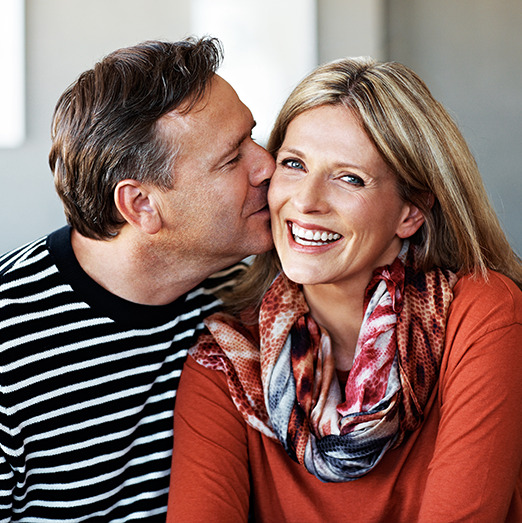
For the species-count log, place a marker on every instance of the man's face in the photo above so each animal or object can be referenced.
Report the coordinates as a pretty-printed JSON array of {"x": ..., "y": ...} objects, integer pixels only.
[{"x": 216, "y": 212}]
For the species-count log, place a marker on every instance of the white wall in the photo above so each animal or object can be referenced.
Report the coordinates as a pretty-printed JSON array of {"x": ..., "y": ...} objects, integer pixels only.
[
  {"x": 468, "y": 51},
  {"x": 351, "y": 28}
]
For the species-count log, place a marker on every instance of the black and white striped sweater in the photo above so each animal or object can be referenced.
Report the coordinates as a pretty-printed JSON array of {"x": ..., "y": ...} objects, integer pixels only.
[{"x": 87, "y": 389}]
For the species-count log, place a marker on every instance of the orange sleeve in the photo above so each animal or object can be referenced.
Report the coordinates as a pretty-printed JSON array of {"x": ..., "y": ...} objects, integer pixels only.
[
  {"x": 210, "y": 473},
  {"x": 478, "y": 452}
]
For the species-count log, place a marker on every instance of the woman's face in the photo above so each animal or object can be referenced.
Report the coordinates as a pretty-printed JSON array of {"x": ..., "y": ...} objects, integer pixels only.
[{"x": 336, "y": 213}]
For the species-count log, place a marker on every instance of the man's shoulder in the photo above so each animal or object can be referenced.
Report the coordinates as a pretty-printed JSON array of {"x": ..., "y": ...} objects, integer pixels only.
[
  {"x": 224, "y": 278},
  {"x": 219, "y": 281},
  {"x": 21, "y": 258},
  {"x": 205, "y": 297}
]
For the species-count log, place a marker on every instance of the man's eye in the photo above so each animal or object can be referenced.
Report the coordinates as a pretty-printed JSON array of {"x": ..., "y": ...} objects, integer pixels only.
[
  {"x": 292, "y": 164},
  {"x": 233, "y": 161}
]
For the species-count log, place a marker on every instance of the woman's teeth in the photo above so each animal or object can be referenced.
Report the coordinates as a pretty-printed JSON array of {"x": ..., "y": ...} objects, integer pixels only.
[{"x": 308, "y": 237}]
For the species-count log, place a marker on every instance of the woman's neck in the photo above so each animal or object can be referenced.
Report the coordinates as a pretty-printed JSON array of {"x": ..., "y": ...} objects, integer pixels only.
[{"x": 340, "y": 312}]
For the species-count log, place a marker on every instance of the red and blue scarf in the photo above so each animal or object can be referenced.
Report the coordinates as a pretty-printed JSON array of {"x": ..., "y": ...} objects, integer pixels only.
[{"x": 284, "y": 383}]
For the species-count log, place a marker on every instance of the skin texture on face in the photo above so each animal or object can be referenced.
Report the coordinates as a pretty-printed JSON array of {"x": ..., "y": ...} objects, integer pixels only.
[
  {"x": 336, "y": 212},
  {"x": 216, "y": 212}
]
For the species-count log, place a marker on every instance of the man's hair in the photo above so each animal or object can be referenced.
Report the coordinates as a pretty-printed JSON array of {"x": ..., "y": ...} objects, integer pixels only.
[{"x": 105, "y": 125}]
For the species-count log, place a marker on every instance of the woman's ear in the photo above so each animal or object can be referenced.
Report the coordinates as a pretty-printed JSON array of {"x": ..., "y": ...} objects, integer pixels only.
[
  {"x": 413, "y": 217},
  {"x": 411, "y": 221},
  {"x": 137, "y": 205}
]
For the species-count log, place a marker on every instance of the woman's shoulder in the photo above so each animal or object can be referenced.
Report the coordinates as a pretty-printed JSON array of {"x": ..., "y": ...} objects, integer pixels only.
[
  {"x": 490, "y": 303},
  {"x": 495, "y": 288},
  {"x": 484, "y": 328}
]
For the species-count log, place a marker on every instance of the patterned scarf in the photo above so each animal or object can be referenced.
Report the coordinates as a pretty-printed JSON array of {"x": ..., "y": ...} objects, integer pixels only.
[{"x": 285, "y": 384}]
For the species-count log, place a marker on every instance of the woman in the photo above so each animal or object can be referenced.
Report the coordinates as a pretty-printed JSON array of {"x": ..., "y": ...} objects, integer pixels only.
[{"x": 377, "y": 376}]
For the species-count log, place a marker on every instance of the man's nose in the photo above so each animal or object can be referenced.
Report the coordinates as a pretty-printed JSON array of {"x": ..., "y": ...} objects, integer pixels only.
[{"x": 263, "y": 168}]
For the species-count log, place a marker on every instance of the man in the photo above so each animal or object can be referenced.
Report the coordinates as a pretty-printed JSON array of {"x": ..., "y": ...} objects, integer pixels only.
[{"x": 162, "y": 186}]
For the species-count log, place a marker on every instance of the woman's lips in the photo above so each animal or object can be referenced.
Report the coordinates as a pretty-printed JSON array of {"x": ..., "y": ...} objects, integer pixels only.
[{"x": 312, "y": 236}]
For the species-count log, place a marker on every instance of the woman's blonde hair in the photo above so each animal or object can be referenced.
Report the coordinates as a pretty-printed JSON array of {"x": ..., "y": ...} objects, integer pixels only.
[{"x": 421, "y": 143}]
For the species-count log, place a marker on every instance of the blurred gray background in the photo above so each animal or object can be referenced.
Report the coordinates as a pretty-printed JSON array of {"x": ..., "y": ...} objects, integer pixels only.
[{"x": 468, "y": 52}]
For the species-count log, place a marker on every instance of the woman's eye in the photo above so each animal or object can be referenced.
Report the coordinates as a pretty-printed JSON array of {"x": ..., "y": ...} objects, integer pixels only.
[
  {"x": 353, "y": 179},
  {"x": 292, "y": 164}
]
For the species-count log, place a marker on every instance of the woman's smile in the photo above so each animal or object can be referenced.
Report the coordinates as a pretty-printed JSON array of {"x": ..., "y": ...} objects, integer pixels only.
[
  {"x": 312, "y": 235},
  {"x": 336, "y": 211}
]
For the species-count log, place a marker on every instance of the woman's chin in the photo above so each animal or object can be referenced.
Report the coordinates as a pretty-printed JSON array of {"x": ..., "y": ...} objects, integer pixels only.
[{"x": 302, "y": 276}]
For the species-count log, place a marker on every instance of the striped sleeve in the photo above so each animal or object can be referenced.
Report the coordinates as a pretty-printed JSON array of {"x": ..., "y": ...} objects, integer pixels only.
[{"x": 88, "y": 385}]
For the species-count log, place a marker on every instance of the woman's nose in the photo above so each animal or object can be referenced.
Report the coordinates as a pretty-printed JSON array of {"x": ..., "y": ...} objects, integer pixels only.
[{"x": 310, "y": 195}]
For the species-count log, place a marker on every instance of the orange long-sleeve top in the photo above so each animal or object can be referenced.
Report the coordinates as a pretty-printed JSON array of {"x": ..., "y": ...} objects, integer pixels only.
[{"x": 463, "y": 464}]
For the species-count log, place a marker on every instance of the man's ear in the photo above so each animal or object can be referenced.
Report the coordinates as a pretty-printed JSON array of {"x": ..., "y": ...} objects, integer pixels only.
[
  {"x": 137, "y": 205},
  {"x": 412, "y": 220}
]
